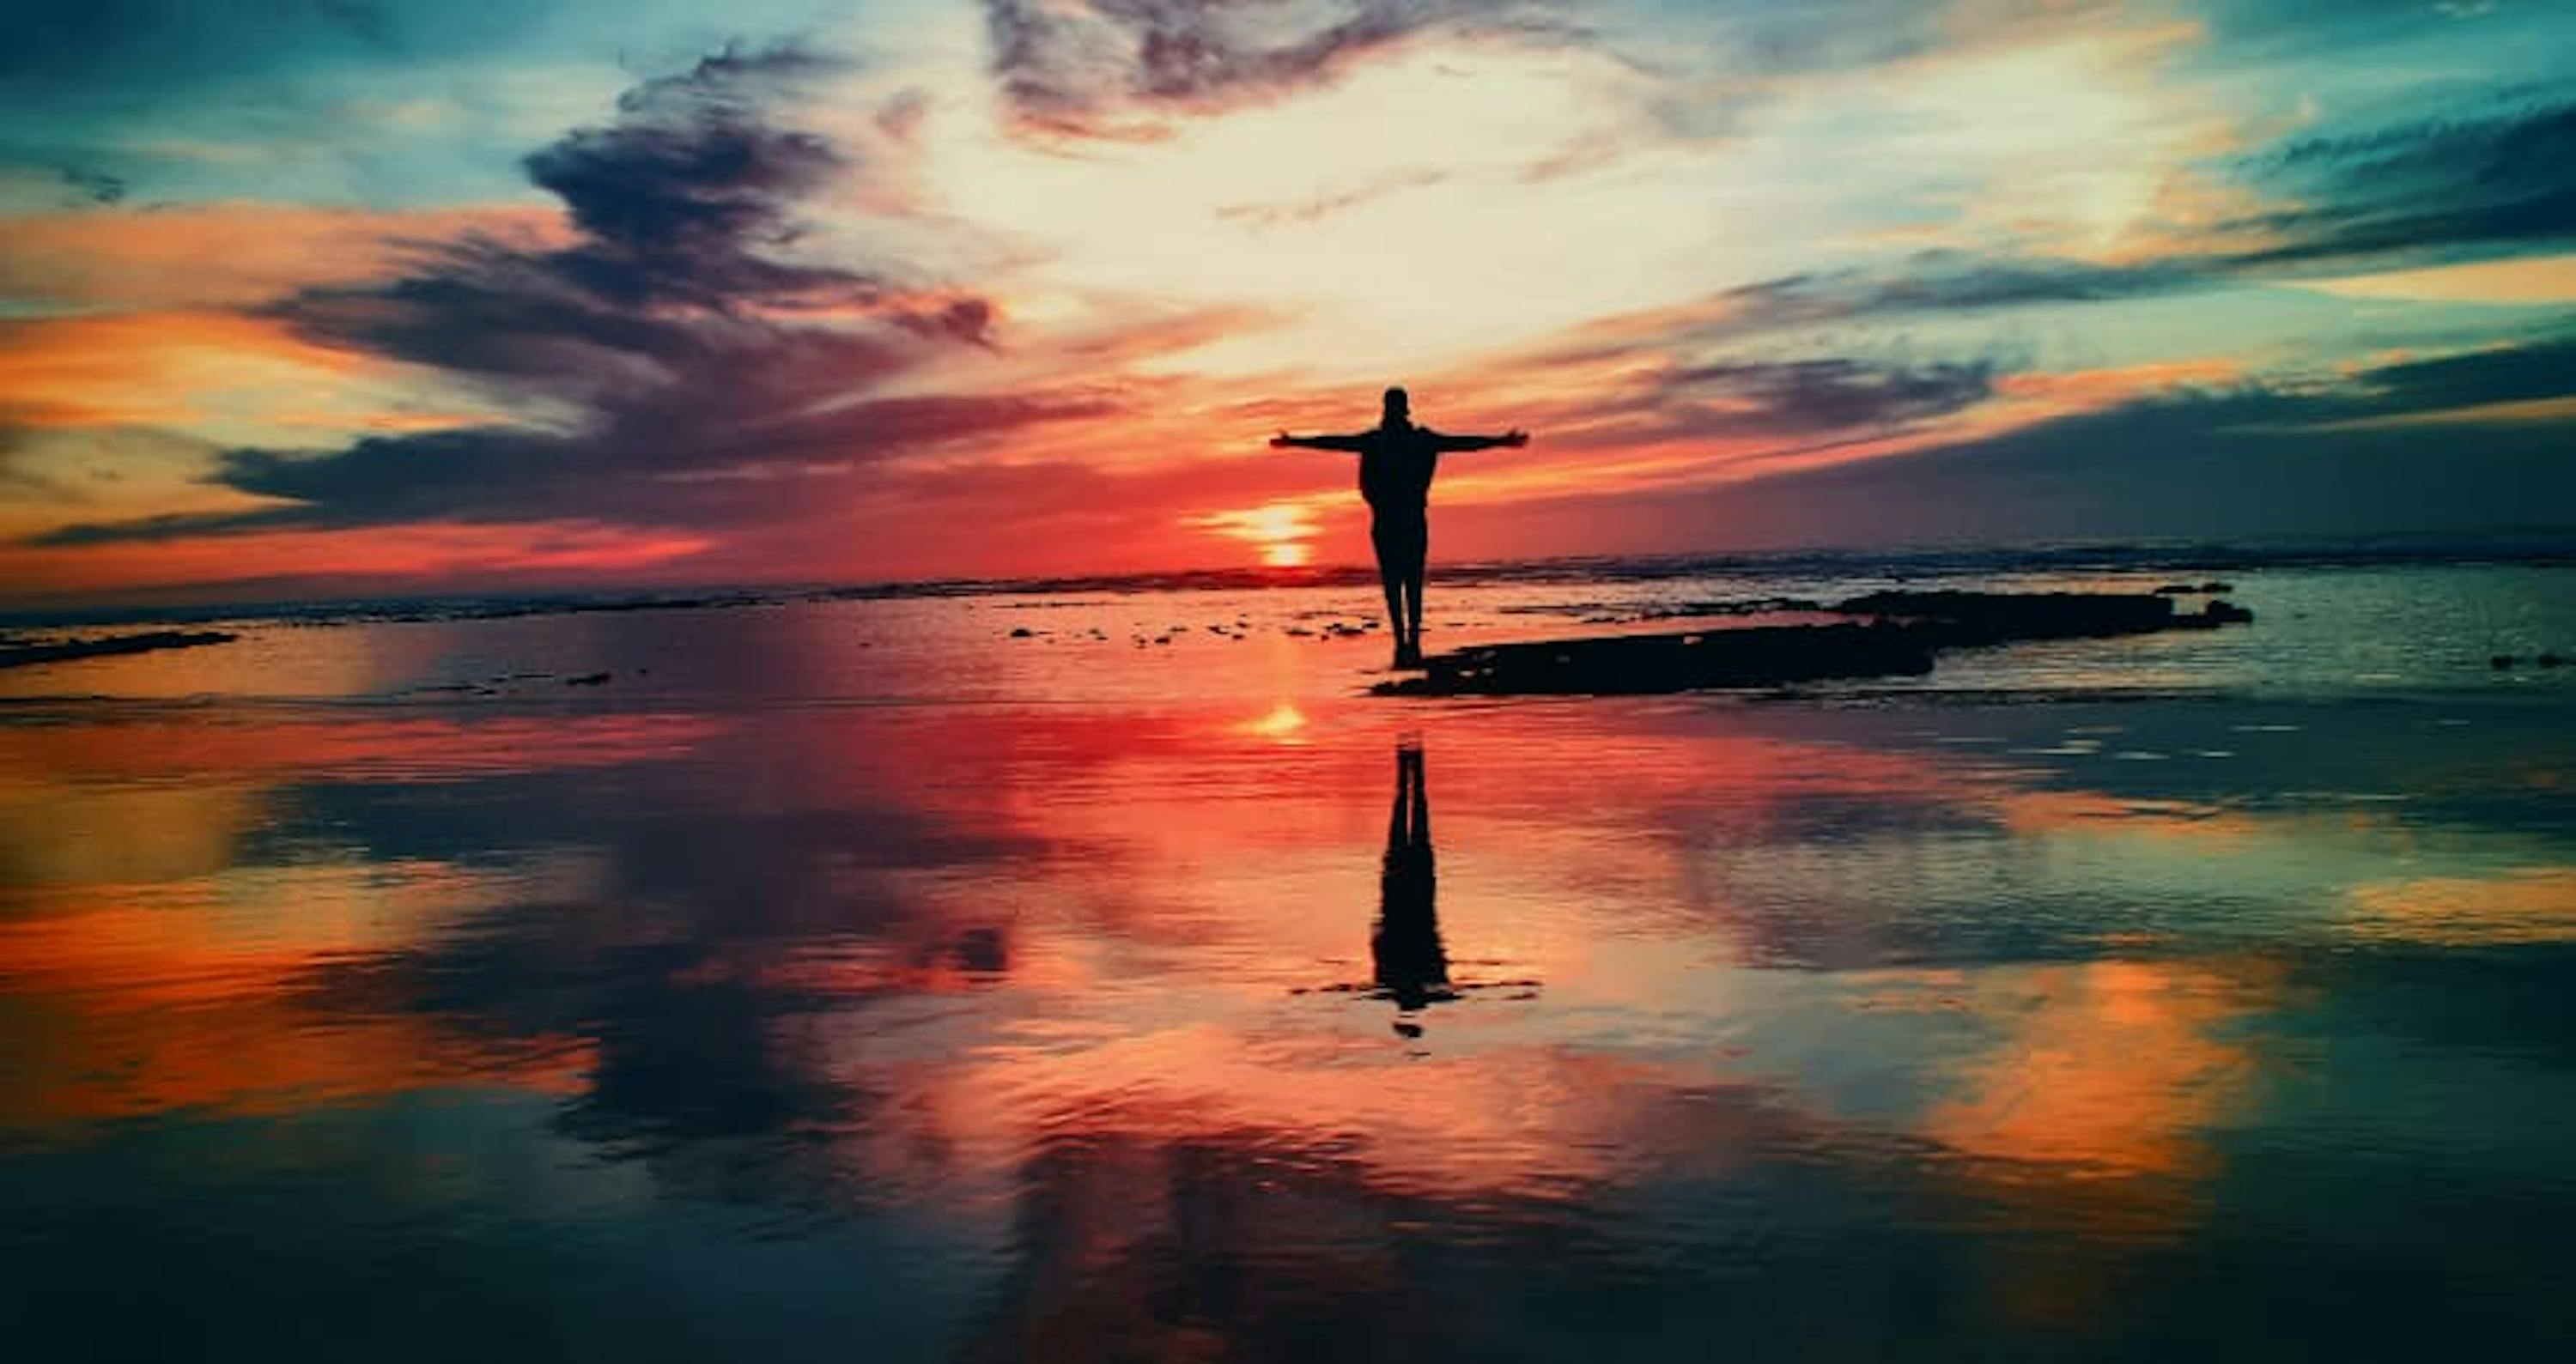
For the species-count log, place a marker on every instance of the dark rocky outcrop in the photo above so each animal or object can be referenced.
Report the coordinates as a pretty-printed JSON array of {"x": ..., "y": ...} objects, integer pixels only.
[
  {"x": 1649, "y": 664},
  {"x": 1970, "y": 618},
  {"x": 1902, "y": 635}
]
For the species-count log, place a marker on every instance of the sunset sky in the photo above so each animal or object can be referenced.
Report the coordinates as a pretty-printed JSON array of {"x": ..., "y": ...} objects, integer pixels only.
[{"x": 356, "y": 296}]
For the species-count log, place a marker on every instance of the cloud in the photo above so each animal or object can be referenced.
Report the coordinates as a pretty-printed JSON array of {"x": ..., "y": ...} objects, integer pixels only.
[
  {"x": 710, "y": 376},
  {"x": 1324, "y": 203},
  {"x": 94, "y": 186},
  {"x": 1948, "y": 281},
  {"x": 2489, "y": 179},
  {"x": 685, "y": 202},
  {"x": 1113, "y": 68},
  {"x": 2500, "y": 375},
  {"x": 2250, "y": 460},
  {"x": 232, "y": 255},
  {"x": 2497, "y": 176},
  {"x": 1797, "y": 399},
  {"x": 1921, "y": 283},
  {"x": 1839, "y": 394}
]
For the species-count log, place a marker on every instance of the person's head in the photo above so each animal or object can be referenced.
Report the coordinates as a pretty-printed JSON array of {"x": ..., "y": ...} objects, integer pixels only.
[{"x": 1399, "y": 408}]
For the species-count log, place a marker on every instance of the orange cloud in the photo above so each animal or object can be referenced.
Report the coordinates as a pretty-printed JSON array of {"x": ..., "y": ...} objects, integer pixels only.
[
  {"x": 2537, "y": 280},
  {"x": 151, "y": 369},
  {"x": 2089, "y": 389},
  {"x": 373, "y": 557},
  {"x": 226, "y": 255},
  {"x": 226, "y": 378}
]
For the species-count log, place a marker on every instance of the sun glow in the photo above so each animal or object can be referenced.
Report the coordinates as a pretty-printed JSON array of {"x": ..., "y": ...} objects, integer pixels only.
[
  {"x": 1284, "y": 723},
  {"x": 1281, "y": 533}
]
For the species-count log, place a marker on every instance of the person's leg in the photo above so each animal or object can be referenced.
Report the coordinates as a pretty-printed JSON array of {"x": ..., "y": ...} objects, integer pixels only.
[
  {"x": 1419, "y": 553},
  {"x": 1390, "y": 576}
]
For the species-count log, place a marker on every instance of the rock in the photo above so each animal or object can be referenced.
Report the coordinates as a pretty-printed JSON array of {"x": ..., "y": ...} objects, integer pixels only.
[
  {"x": 587, "y": 680},
  {"x": 1906, "y": 630},
  {"x": 1653, "y": 664},
  {"x": 2501, "y": 662},
  {"x": 16, "y": 654},
  {"x": 1963, "y": 618},
  {"x": 2548, "y": 660},
  {"x": 1023, "y": 632}
]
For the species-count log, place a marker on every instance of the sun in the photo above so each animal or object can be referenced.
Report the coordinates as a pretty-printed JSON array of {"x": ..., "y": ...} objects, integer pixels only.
[{"x": 1281, "y": 534}]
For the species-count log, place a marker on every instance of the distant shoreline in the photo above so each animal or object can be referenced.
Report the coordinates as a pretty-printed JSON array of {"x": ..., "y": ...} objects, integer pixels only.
[{"x": 1898, "y": 564}]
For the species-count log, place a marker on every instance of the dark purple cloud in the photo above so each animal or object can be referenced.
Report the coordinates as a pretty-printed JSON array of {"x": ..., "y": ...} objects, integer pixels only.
[
  {"x": 1838, "y": 393},
  {"x": 1802, "y": 401},
  {"x": 1107, "y": 68},
  {"x": 1951, "y": 281}
]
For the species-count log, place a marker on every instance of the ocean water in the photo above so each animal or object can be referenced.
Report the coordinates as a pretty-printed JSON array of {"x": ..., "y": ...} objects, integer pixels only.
[{"x": 1099, "y": 972}]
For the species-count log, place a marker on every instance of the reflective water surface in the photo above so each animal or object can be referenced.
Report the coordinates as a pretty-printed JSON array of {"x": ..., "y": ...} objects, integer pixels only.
[{"x": 863, "y": 980}]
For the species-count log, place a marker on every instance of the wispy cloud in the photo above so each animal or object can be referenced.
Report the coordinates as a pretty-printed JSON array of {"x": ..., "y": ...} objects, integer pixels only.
[{"x": 2493, "y": 175}]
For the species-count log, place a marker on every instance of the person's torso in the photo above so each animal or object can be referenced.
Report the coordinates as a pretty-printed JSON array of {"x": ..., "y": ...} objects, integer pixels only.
[{"x": 1396, "y": 469}]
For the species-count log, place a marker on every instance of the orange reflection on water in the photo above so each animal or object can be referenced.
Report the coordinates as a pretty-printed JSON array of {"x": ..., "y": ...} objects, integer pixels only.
[
  {"x": 1283, "y": 723},
  {"x": 2526, "y": 905},
  {"x": 374, "y": 748},
  {"x": 2053, "y": 811},
  {"x": 2109, "y": 1067},
  {"x": 154, "y": 961},
  {"x": 101, "y": 833},
  {"x": 122, "y": 804},
  {"x": 143, "y": 1004}
]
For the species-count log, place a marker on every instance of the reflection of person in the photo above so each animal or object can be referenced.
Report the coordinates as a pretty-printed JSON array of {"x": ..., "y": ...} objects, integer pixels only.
[
  {"x": 1412, "y": 967},
  {"x": 1397, "y": 459}
]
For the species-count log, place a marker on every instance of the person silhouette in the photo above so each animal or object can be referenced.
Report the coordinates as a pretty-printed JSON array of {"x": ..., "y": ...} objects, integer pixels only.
[
  {"x": 1412, "y": 968},
  {"x": 1397, "y": 459}
]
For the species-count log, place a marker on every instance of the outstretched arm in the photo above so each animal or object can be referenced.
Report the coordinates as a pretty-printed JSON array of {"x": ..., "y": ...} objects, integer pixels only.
[
  {"x": 1515, "y": 439},
  {"x": 1353, "y": 444}
]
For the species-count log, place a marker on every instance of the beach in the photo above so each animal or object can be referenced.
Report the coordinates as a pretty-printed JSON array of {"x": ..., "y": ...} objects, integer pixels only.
[{"x": 1075, "y": 972}]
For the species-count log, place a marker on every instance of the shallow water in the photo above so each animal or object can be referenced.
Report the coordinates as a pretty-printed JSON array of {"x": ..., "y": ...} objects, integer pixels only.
[{"x": 858, "y": 978}]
